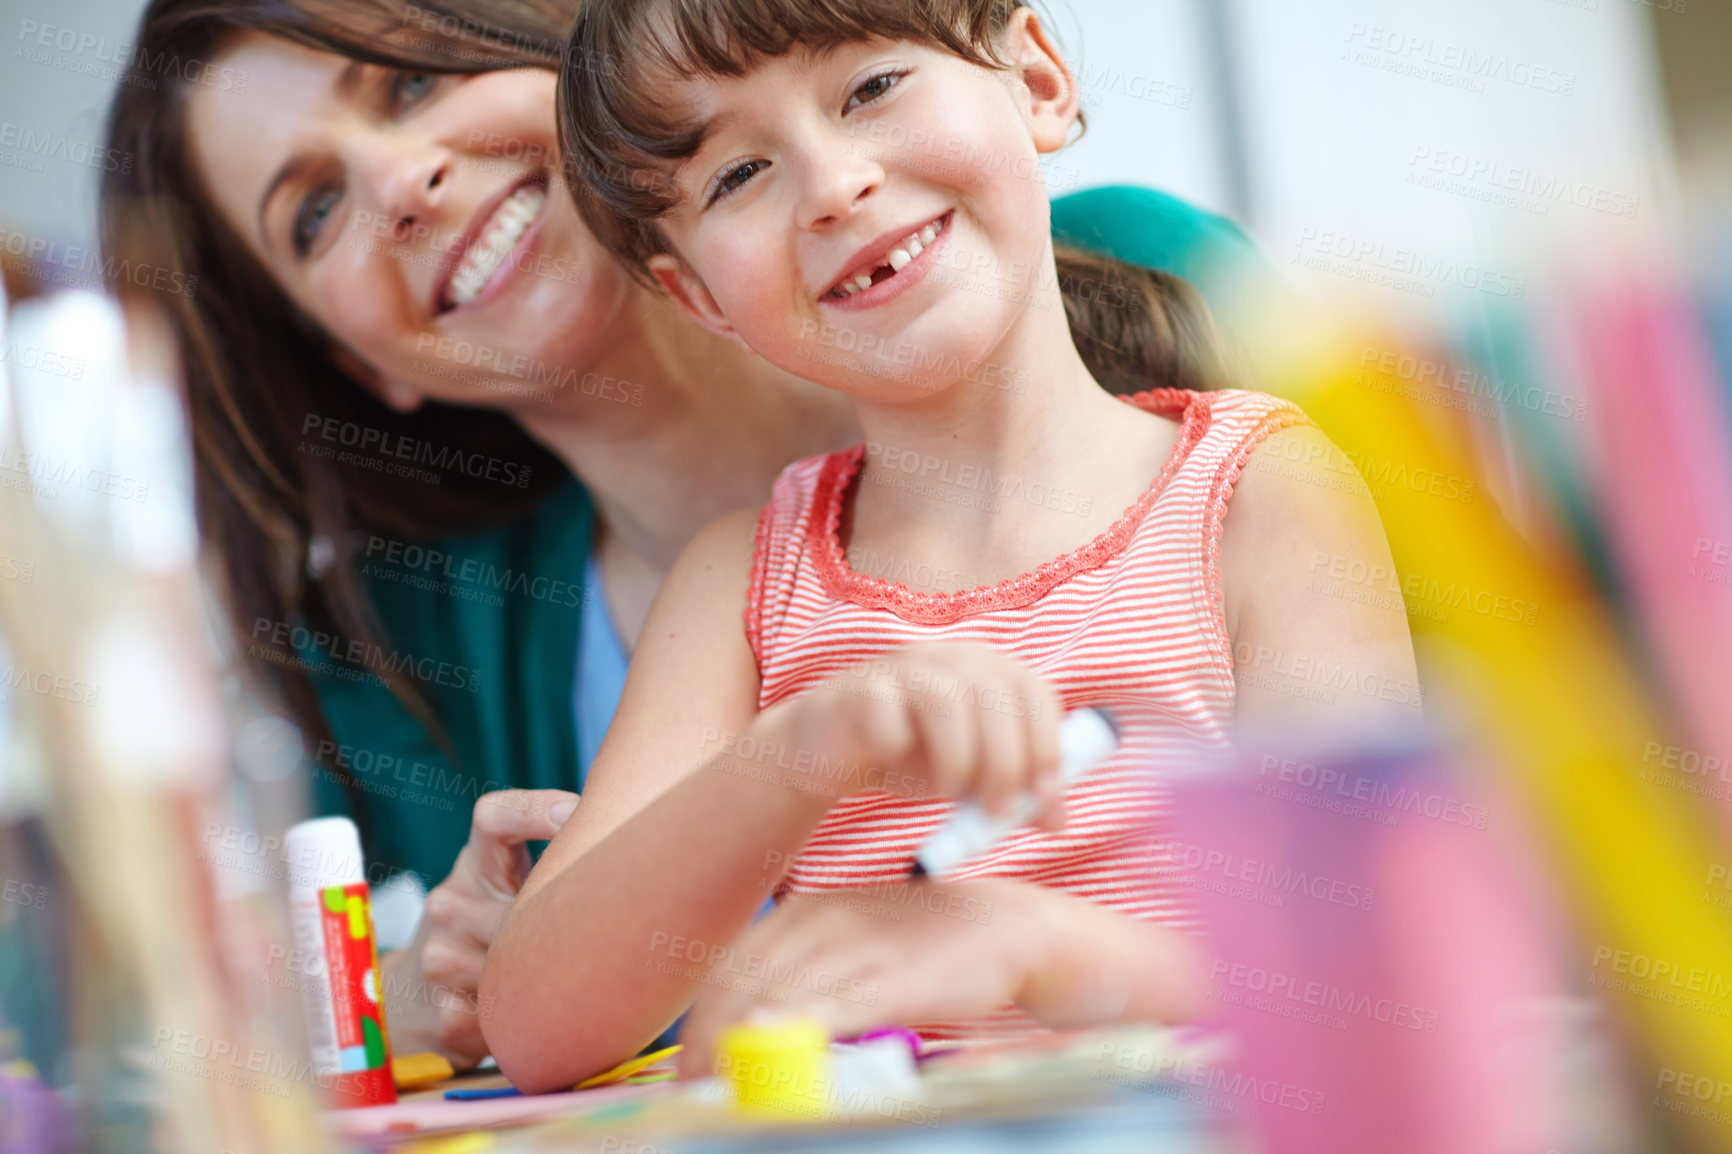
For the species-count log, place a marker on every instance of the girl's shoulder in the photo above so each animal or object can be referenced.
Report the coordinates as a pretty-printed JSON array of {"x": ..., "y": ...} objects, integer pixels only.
[
  {"x": 1236, "y": 409},
  {"x": 1219, "y": 406},
  {"x": 805, "y": 490},
  {"x": 1221, "y": 426},
  {"x": 807, "y": 481}
]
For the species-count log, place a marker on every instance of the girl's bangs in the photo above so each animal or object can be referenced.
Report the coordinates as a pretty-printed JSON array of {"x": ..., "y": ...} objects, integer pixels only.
[
  {"x": 697, "y": 38},
  {"x": 623, "y": 137}
]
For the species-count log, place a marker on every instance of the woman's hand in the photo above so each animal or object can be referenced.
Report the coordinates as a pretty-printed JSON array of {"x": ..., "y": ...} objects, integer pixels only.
[
  {"x": 431, "y": 999},
  {"x": 928, "y": 952},
  {"x": 946, "y": 719}
]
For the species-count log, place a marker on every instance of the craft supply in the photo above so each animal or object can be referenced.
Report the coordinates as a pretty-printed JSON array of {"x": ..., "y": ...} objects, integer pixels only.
[
  {"x": 472, "y": 1142},
  {"x": 629, "y": 1067},
  {"x": 875, "y": 1076},
  {"x": 482, "y": 1095},
  {"x": 340, "y": 991},
  {"x": 415, "y": 1070},
  {"x": 440, "y": 1115},
  {"x": 1086, "y": 737},
  {"x": 777, "y": 1069}
]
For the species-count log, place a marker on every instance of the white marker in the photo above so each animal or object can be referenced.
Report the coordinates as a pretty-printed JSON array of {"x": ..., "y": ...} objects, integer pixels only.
[{"x": 1086, "y": 738}]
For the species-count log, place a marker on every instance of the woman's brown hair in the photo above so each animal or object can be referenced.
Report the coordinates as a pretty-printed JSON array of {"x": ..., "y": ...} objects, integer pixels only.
[
  {"x": 1136, "y": 328},
  {"x": 284, "y": 522}
]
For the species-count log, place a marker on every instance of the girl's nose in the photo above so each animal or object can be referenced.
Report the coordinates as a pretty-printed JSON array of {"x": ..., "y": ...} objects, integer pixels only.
[{"x": 837, "y": 183}]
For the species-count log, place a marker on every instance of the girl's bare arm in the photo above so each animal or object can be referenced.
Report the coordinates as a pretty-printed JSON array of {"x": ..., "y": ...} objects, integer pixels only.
[
  {"x": 1314, "y": 606},
  {"x": 579, "y": 975}
]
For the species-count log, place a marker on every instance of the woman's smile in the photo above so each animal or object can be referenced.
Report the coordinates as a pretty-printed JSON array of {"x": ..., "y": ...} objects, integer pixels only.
[{"x": 496, "y": 245}]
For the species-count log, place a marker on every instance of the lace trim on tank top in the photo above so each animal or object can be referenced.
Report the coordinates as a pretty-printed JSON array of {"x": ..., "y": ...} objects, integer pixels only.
[{"x": 842, "y": 582}]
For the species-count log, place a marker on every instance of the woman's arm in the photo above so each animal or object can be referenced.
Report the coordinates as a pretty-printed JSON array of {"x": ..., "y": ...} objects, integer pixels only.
[{"x": 1312, "y": 598}]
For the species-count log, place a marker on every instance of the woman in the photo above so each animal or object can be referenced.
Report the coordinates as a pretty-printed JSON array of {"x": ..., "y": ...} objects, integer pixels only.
[{"x": 401, "y": 349}]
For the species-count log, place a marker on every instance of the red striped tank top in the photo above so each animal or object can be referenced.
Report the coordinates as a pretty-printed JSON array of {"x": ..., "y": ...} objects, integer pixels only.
[{"x": 1132, "y": 622}]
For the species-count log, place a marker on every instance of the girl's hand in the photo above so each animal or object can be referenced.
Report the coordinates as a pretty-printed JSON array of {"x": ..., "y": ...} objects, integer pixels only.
[
  {"x": 948, "y": 719},
  {"x": 855, "y": 960},
  {"x": 431, "y": 986},
  {"x": 930, "y": 952}
]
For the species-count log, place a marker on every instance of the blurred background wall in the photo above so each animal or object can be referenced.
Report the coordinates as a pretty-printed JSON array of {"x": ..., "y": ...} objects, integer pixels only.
[{"x": 1355, "y": 138}]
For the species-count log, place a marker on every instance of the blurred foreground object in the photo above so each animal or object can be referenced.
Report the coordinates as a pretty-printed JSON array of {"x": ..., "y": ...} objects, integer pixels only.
[
  {"x": 1384, "y": 956},
  {"x": 1556, "y": 485},
  {"x": 115, "y": 743}
]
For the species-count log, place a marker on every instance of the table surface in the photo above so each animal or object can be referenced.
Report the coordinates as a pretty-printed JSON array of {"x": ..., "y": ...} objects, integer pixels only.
[{"x": 1055, "y": 1095}]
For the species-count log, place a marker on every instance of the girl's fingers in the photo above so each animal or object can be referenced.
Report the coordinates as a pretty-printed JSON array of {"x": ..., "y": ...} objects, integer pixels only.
[
  {"x": 777, "y": 939},
  {"x": 1041, "y": 722},
  {"x": 1003, "y": 761},
  {"x": 948, "y": 743},
  {"x": 843, "y": 1003}
]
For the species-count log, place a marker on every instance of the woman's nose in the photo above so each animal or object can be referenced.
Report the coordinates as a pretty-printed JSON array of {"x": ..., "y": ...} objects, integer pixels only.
[{"x": 410, "y": 184}]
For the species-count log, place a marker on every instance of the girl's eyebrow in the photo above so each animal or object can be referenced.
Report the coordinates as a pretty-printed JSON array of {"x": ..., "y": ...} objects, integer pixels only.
[
  {"x": 342, "y": 88},
  {"x": 713, "y": 125}
]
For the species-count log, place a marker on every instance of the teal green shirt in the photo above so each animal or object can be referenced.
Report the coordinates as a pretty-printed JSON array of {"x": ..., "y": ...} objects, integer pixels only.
[{"x": 502, "y": 610}]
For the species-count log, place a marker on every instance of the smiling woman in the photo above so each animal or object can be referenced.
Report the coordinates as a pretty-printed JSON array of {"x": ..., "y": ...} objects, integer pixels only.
[{"x": 447, "y": 446}]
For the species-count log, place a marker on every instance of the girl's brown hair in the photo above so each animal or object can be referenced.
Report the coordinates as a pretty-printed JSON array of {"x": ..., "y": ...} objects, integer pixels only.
[
  {"x": 1136, "y": 328},
  {"x": 284, "y": 522}
]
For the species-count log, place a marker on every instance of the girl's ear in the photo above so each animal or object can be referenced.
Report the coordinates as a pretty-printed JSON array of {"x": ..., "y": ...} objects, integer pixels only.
[
  {"x": 1053, "y": 101},
  {"x": 682, "y": 284},
  {"x": 400, "y": 395}
]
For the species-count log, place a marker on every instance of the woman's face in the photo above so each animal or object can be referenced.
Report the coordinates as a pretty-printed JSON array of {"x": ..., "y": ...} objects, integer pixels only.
[{"x": 415, "y": 217}]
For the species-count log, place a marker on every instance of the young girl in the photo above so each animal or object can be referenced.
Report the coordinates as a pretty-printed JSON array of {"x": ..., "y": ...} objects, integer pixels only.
[{"x": 852, "y": 191}]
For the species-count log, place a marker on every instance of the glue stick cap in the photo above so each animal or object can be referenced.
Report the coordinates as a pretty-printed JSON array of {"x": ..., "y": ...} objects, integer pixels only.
[
  {"x": 323, "y": 852},
  {"x": 778, "y": 1068}
]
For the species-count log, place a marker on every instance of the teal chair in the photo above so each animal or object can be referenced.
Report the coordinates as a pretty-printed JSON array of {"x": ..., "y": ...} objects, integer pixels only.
[{"x": 1155, "y": 230}]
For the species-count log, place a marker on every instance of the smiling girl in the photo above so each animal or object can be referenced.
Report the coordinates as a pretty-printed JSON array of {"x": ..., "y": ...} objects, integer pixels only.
[{"x": 851, "y": 191}]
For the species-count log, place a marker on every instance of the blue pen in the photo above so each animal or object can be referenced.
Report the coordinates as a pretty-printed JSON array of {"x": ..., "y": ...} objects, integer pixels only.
[{"x": 481, "y": 1095}]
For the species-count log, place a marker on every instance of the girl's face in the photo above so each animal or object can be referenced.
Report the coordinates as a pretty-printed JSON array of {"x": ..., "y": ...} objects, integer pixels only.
[
  {"x": 411, "y": 216},
  {"x": 872, "y": 217}
]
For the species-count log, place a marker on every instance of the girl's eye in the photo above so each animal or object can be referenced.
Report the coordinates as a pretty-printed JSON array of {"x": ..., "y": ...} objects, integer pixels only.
[
  {"x": 735, "y": 178},
  {"x": 311, "y": 216},
  {"x": 873, "y": 88},
  {"x": 409, "y": 89}
]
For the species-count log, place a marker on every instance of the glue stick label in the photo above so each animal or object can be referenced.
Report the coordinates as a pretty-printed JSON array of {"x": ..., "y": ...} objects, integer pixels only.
[{"x": 345, "y": 1020}]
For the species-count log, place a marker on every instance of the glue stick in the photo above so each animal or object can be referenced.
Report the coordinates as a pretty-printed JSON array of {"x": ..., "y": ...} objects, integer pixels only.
[{"x": 332, "y": 913}]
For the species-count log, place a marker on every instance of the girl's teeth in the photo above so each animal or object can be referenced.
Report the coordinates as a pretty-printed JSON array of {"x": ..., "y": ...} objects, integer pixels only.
[{"x": 897, "y": 260}]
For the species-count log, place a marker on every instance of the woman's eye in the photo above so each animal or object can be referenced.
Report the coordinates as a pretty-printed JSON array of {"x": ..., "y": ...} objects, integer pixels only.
[
  {"x": 409, "y": 88},
  {"x": 736, "y": 178},
  {"x": 310, "y": 218},
  {"x": 872, "y": 89}
]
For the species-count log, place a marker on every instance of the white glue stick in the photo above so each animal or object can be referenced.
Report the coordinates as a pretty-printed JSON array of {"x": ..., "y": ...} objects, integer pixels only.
[{"x": 1086, "y": 738}]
